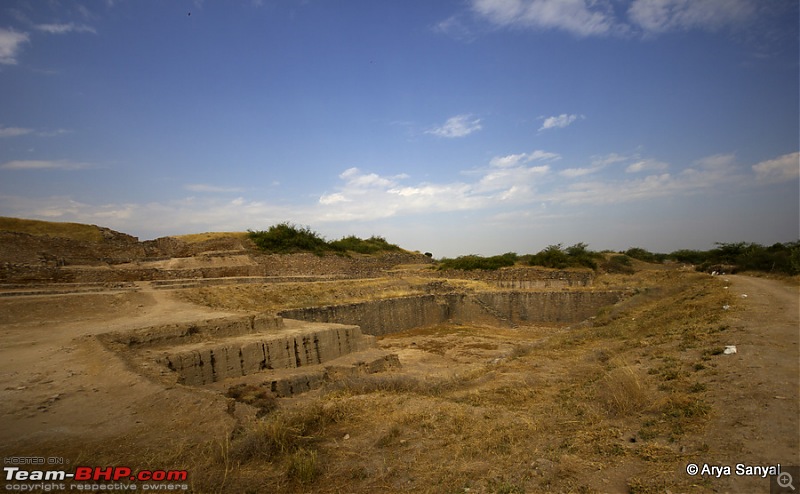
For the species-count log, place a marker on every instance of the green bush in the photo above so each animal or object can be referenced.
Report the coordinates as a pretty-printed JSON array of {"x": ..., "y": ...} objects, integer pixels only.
[
  {"x": 744, "y": 256},
  {"x": 619, "y": 264},
  {"x": 472, "y": 262},
  {"x": 644, "y": 255},
  {"x": 575, "y": 256},
  {"x": 371, "y": 245},
  {"x": 689, "y": 256},
  {"x": 285, "y": 238}
]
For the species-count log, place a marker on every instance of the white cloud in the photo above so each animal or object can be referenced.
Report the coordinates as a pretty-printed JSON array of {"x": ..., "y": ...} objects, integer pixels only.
[
  {"x": 455, "y": 27},
  {"x": 518, "y": 159},
  {"x": 559, "y": 121},
  {"x": 43, "y": 165},
  {"x": 329, "y": 199},
  {"x": 458, "y": 126},
  {"x": 504, "y": 179},
  {"x": 579, "y": 17},
  {"x": 578, "y": 172},
  {"x": 597, "y": 17},
  {"x": 658, "y": 16},
  {"x": 781, "y": 169},
  {"x": 609, "y": 159},
  {"x": 598, "y": 164},
  {"x": 65, "y": 28},
  {"x": 14, "y": 131},
  {"x": 10, "y": 43},
  {"x": 210, "y": 188},
  {"x": 20, "y": 131},
  {"x": 186, "y": 215},
  {"x": 646, "y": 165},
  {"x": 717, "y": 161}
]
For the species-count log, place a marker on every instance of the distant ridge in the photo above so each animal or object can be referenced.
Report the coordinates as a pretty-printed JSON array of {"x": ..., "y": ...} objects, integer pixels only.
[{"x": 73, "y": 231}]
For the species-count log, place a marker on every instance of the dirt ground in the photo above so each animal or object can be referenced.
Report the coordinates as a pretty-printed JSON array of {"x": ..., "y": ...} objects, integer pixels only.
[{"x": 63, "y": 395}]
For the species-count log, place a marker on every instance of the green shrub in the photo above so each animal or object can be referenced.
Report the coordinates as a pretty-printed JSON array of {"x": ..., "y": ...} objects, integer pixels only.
[
  {"x": 744, "y": 256},
  {"x": 619, "y": 264},
  {"x": 371, "y": 245},
  {"x": 472, "y": 262},
  {"x": 285, "y": 238},
  {"x": 644, "y": 255},
  {"x": 575, "y": 256}
]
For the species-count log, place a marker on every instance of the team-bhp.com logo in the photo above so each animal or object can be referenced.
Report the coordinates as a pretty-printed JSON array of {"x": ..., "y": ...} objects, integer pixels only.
[
  {"x": 93, "y": 478},
  {"x": 96, "y": 474}
]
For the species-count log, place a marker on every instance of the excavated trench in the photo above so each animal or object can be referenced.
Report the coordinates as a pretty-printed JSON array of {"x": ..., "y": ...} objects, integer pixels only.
[{"x": 298, "y": 350}]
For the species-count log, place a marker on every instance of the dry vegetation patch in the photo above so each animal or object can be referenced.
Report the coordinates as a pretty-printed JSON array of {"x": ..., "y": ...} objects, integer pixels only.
[
  {"x": 74, "y": 231},
  {"x": 527, "y": 410},
  {"x": 619, "y": 404}
]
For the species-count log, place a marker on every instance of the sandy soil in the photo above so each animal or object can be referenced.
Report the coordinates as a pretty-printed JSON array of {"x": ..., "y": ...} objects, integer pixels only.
[
  {"x": 60, "y": 386},
  {"x": 757, "y": 390}
]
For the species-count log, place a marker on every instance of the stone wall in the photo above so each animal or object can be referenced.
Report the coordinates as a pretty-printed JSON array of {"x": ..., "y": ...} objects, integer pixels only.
[
  {"x": 520, "y": 278},
  {"x": 381, "y": 317},
  {"x": 520, "y": 308},
  {"x": 205, "y": 363},
  {"x": 212, "y": 350}
]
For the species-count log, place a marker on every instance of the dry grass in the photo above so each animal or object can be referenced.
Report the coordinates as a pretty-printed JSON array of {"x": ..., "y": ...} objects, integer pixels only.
[
  {"x": 74, "y": 231},
  {"x": 614, "y": 407}
]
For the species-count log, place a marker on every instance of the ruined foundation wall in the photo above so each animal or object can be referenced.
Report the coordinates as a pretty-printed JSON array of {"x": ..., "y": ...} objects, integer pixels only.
[
  {"x": 513, "y": 308},
  {"x": 379, "y": 317},
  {"x": 518, "y": 278},
  {"x": 207, "y": 363},
  {"x": 497, "y": 308}
]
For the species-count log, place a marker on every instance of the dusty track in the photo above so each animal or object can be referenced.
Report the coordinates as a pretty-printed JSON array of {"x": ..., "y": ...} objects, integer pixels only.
[
  {"x": 60, "y": 386},
  {"x": 757, "y": 390}
]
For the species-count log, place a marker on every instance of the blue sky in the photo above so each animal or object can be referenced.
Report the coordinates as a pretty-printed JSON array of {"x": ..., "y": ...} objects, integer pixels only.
[{"x": 455, "y": 127}]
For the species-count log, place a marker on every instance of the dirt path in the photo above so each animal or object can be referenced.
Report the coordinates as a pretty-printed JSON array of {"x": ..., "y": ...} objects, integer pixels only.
[
  {"x": 57, "y": 384},
  {"x": 756, "y": 394}
]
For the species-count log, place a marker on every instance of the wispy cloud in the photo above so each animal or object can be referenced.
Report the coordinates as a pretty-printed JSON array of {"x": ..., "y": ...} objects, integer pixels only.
[
  {"x": 513, "y": 160},
  {"x": 659, "y": 16},
  {"x": 579, "y": 17},
  {"x": 585, "y": 18},
  {"x": 559, "y": 121},
  {"x": 65, "y": 28},
  {"x": 14, "y": 131},
  {"x": 458, "y": 126},
  {"x": 781, "y": 169},
  {"x": 455, "y": 27},
  {"x": 43, "y": 165},
  {"x": 646, "y": 165},
  {"x": 598, "y": 163},
  {"x": 21, "y": 131},
  {"x": 10, "y": 44},
  {"x": 211, "y": 188}
]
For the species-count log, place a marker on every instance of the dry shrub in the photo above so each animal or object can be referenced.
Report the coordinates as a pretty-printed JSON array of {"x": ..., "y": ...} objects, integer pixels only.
[
  {"x": 256, "y": 396},
  {"x": 303, "y": 466},
  {"x": 265, "y": 440},
  {"x": 286, "y": 432},
  {"x": 623, "y": 392}
]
